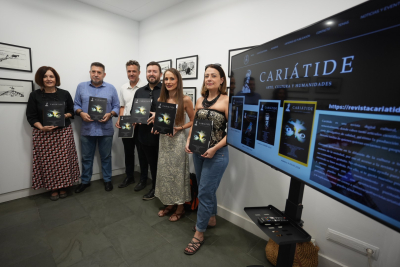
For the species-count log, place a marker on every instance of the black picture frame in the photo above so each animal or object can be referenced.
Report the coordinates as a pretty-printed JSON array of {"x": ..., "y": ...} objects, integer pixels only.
[
  {"x": 14, "y": 57},
  {"x": 9, "y": 93},
  {"x": 233, "y": 52},
  {"x": 188, "y": 67},
  {"x": 191, "y": 92},
  {"x": 164, "y": 64}
]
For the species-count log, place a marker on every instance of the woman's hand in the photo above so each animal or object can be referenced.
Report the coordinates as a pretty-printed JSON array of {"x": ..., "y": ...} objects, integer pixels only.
[
  {"x": 176, "y": 129},
  {"x": 154, "y": 132},
  {"x": 187, "y": 150},
  {"x": 209, "y": 154},
  {"x": 48, "y": 128}
]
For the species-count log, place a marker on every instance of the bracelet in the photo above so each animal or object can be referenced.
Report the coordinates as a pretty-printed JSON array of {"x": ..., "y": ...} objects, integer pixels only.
[{"x": 182, "y": 127}]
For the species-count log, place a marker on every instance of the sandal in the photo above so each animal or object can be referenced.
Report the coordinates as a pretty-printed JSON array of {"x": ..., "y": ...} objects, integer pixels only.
[
  {"x": 208, "y": 227},
  {"x": 193, "y": 246},
  {"x": 165, "y": 211},
  {"x": 63, "y": 195},
  {"x": 55, "y": 197},
  {"x": 177, "y": 215}
]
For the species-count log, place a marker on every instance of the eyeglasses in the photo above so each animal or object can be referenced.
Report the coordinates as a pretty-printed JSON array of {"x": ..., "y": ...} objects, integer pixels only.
[{"x": 213, "y": 64}]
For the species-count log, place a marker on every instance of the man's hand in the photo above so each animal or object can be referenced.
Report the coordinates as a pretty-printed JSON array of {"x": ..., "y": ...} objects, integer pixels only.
[
  {"x": 85, "y": 117},
  {"x": 151, "y": 119},
  {"x": 106, "y": 117},
  {"x": 117, "y": 123}
]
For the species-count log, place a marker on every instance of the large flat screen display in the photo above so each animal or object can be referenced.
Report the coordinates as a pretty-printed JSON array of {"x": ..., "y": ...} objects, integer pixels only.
[{"x": 322, "y": 104}]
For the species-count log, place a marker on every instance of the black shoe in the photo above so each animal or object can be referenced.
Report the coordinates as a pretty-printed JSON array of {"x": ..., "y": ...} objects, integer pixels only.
[
  {"x": 81, "y": 187},
  {"x": 149, "y": 195},
  {"x": 108, "y": 186},
  {"x": 126, "y": 182},
  {"x": 140, "y": 186}
]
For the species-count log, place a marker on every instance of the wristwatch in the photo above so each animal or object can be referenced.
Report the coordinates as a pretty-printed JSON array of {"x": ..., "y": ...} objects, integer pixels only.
[
  {"x": 79, "y": 112},
  {"x": 111, "y": 114}
]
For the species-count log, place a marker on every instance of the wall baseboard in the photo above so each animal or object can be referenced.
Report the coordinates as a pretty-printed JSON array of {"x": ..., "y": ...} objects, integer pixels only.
[
  {"x": 31, "y": 192},
  {"x": 249, "y": 226}
]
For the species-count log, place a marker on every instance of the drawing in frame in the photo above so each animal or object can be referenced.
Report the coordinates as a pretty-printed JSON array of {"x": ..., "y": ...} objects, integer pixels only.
[
  {"x": 233, "y": 52},
  {"x": 165, "y": 64},
  {"x": 15, "y": 91},
  {"x": 188, "y": 67},
  {"x": 191, "y": 92},
  {"x": 15, "y": 57}
]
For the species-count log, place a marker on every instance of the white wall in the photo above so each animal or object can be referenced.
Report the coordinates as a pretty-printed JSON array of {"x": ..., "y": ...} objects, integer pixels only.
[
  {"x": 69, "y": 36},
  {"x": 209, "y": 28}
]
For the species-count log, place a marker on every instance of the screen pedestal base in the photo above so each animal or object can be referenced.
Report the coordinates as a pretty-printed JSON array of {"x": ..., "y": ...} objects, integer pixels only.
[{"x": 286, "y": 235}]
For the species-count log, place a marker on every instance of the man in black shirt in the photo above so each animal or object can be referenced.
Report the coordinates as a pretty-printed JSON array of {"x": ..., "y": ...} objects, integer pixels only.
[{"x": 148, "y": 142}]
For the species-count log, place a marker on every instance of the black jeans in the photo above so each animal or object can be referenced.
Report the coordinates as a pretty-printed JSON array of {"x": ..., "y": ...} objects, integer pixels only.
[
  {"x": 129, "y": 149},
  {"x": 148, "y": 155}
]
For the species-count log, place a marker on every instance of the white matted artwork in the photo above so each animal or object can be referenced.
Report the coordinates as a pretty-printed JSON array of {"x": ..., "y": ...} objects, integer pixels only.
[
  {"x": 191, "y": 92},
  {"x": 15, "y": 57},
  {"x": 15, "y": 91},
  {"x": 165, "y": 64},
  {"x": 188, "y": 67}
]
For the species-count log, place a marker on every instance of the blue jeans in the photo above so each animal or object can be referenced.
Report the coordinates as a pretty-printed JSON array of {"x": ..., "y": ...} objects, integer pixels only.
[
  {"x": 88, "y": 146},
  {"x": 208, "y": 174}
]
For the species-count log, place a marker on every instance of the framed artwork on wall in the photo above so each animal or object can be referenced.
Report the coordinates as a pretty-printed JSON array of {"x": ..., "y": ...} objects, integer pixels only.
[
  {"x": 191, "y": 92},
  {"x": 15, "y": 91},
  {"x": 233, "y": 52},
  {"x": 15, "y": 57},
  {"x": 165, "y": 64},
  {"x": 188, "y": 67}
]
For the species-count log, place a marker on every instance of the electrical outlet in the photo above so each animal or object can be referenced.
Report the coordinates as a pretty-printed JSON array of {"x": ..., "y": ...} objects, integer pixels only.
[{"x": 352, "y": 243}]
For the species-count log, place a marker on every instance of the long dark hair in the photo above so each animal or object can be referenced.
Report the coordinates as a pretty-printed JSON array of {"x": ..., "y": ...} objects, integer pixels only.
[{"x": 164, "y": 95}]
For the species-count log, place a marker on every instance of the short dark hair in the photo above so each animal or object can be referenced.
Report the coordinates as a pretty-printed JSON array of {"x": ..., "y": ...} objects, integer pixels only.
[
  {"x": 98, "y": 64},
  {"x": 40, "y": 75},
  {"x": 153, "y": 63},
  {"x": 133, "y": 63}
]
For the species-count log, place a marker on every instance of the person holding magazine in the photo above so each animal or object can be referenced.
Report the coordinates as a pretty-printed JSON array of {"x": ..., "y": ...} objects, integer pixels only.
[
  {"x": 55, "y": 161},
  {"x": 213, "y": 105},
  {"x": 173, "y": 178}
]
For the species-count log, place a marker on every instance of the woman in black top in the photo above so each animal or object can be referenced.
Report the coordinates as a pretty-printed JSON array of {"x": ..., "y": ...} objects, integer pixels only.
[{"x": 55, "y": 161}]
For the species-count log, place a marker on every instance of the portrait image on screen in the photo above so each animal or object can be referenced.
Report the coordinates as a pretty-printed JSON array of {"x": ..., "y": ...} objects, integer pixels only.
[
  {"x": 237, "y": 113},
  {"x": 249, "y": 128},
  {"x": 267, "y": 114},
  {"x": 322, "y": 104}
]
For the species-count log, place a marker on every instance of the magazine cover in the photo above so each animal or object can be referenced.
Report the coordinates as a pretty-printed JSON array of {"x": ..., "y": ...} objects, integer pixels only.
[
  {"x": 126, "y": 130},
  {"x": 267, "y": 114},
  {"x": 141, "y": 110},
  {"x": 53, "y": 113},
  {"x": 249, "y": 128},
  {"x": 200, "y": 137},
  {"x": 237, "y": 112},
  {"x": 97, "y": 108},
  {"x": 297, "y": 127},
  {"x": 165, "y": 118}
]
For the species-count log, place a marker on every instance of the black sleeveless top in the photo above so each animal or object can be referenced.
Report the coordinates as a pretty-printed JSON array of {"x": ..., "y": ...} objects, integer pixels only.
[{"x": 219, "y": 123}]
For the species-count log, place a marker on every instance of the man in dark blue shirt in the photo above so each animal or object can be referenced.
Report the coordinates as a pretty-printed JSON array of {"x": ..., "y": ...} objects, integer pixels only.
[
  {"x": 148, "y": 142},
  {"x": 93, "y": 132}
]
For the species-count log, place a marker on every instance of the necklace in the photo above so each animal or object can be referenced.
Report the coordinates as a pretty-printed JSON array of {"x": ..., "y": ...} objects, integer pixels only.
[{"x": 207, "y": 104}]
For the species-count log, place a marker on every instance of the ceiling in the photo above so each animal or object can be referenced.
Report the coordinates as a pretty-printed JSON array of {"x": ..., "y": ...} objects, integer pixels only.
[{"x": 133, "y": 9}]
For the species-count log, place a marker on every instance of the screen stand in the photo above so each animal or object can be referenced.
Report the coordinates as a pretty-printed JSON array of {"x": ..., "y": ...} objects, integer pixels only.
[{"x": 293, "y": 211}]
